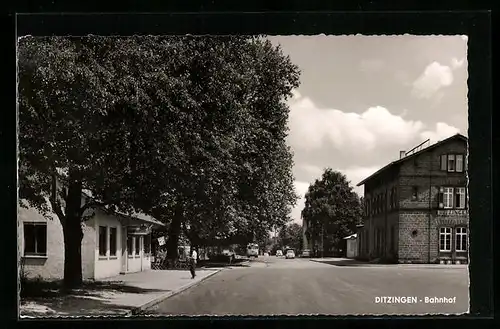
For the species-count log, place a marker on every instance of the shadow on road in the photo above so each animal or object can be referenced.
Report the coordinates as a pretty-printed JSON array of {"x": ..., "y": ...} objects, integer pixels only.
[
  {"x": 46, "y": 298},
  {"x": 217, "y": 264},
  {"x": 346, "y": 262},
  {"x": 51, "y": 289}
]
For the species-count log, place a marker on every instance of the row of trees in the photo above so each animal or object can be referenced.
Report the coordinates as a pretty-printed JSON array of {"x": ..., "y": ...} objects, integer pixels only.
[
  {"x": 332, "y": 210},
  {"x": 190, "y": 130}
]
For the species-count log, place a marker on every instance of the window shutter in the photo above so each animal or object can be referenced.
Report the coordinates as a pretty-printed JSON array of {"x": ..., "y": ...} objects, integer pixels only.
[
  {"x": 444, "y": 161},
  {"x": 441, "y": 197}
]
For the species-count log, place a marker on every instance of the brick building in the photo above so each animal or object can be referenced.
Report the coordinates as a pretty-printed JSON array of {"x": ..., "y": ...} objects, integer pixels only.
[{"x": 416, "y": 207}]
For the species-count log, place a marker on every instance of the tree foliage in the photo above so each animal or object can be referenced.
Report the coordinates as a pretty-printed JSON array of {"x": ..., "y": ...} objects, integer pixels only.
[
  {"x": 190, "y": 130},
  {"x": 291, "y": 236},
  {"x": 332, "y": 209}
]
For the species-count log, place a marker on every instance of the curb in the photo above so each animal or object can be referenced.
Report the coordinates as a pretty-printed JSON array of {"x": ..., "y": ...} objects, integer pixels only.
[
  {"x": 401, "y": 265},
  {"x": 169, "y": 294}
]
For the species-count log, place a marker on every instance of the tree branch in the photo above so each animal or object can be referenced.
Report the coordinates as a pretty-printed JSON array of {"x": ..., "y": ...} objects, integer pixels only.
[
  {"x": 56, "y": 207},
  {"x": 55, "y": 204}
]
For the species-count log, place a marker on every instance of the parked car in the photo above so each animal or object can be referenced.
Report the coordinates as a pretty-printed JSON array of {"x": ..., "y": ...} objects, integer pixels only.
[
  {"x": 290, "y": 254},
  {"x": 253, "y": 250},
  {"x": 279, "y": 253}
]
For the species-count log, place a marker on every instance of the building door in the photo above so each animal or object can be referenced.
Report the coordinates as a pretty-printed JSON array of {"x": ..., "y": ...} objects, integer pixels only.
[
  {"x": 141, "y": 250},
  {"x": 124, "y": 250}
]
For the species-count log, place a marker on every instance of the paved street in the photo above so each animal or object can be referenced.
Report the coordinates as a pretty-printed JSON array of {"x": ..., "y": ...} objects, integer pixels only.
[{"x": 300, "y": 286}]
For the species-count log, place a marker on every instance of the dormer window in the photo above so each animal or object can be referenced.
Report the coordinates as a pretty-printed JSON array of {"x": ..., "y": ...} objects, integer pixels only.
[{"x": 452, "y": 162}]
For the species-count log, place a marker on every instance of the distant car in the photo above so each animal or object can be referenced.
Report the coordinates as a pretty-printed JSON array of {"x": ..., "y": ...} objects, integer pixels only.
[
  {"x": 266, "y": 254},
  {"x": 290, "y": 254},
  {"x": 253, "y": 250},
  {"x": 279, "y": 253}
]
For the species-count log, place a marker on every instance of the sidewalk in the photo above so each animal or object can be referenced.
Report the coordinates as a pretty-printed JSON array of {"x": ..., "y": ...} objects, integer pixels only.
[
  {"x": 117, "y": 296},
  {"x": 348, "y": 262}
]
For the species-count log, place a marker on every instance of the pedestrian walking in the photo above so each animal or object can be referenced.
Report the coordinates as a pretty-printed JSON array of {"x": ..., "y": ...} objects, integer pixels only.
[{"x": 192, "y": 264}]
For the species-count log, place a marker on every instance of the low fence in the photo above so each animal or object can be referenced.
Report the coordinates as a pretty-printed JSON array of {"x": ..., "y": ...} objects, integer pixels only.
[{"x": 161, "y": 263}]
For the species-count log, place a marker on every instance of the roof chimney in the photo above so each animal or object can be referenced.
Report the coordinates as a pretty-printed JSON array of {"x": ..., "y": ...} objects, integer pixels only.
[{"x": 402, "y": 154}]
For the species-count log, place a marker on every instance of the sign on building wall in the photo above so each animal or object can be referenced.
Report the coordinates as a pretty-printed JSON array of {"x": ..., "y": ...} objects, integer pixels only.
[
  {"x": 452, "y": 212},
  {"x": 161, "y": 240}
]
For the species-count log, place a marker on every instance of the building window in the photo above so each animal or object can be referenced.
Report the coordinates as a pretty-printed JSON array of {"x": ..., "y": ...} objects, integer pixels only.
[
  {"x": 137, "y": 248},
  {"x": 451, "y": 162},
  {"x": 395, "y": 198},
  {"x": 448, "y": 198},
  {"x": 103, "y": 240},
  {"x": 112, "y": 241},
  {"x": 391, "y": 199},
  {"x": 147, "y": 244},
  {"x": 460, "y": 197},
  {"x": 461, "y": 239},
  {"x": 130, "y": 246},
  {"x": 35, "y": 239},
  {"x": 392, "y": 238},
  {"x": 444, "y": 162},
  {"x": 414, "y": 193},
  {"x": 445, "y": 239},
  {"x": 459, "y": 163}
]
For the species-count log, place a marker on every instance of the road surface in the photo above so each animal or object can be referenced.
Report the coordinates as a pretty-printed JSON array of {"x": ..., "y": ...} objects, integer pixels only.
[{"x": 277, "y": 286}]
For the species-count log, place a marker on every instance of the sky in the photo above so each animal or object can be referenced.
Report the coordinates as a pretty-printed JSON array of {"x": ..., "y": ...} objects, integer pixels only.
[{"x": 362, "y": 99}]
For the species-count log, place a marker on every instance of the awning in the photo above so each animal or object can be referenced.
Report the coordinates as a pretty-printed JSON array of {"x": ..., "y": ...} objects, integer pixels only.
[
  {"x": 143, "y": 229},
  {"x": 351, "y": 237}
]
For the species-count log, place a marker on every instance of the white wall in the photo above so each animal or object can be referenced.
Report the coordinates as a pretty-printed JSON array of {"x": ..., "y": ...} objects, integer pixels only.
[
  {"x": 107, "y": 266},
  {"x": 51, "y": 266},
  {"x": 352, "y": 248},
  {"x": 88, "y": 245},
  {"x": 93, "y": 266}
]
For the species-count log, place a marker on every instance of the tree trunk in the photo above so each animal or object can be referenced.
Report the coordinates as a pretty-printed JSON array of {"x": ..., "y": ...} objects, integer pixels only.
[
  {"x": 73, "y": 235},
  {"x": 173, "y": 237}
]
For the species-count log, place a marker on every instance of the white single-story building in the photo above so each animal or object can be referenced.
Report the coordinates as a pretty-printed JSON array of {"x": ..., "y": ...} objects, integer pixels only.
[
  {"x": 113, "y": 243},
  {"x": 352, "y": 246}
]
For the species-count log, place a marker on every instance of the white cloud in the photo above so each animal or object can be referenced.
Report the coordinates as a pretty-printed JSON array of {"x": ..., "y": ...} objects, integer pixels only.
[
  {"x": 314, "y": 170},
  {"x": 356, "y": 174},
  {"x": 434, "y": 77},
  {"x": 442, "y": 131},
  {"x": 311, "y": 127},
  {"x": 301, "y": 189},
  {"x": 455, "y": 63},
  {"x": 352, "y": 138}
]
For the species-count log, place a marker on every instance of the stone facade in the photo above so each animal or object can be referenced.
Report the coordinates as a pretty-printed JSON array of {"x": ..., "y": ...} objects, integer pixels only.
[{"x": 416, "y": 209}]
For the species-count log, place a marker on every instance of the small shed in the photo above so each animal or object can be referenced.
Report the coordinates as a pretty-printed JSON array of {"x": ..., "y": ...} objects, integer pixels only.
[{"x": 352, "y": 246}]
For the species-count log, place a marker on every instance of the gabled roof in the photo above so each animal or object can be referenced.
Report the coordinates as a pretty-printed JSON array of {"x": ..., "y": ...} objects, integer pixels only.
[
  {"x": 134, "y": 215},
  {"x": 392, "y": 164}
]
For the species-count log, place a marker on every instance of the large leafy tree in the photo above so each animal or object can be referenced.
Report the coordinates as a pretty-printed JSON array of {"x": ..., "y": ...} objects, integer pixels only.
[
  {"x": 332, "y": 209},
  {"x": 291, "y": 236},
  {"x": 182, "y": 128}
]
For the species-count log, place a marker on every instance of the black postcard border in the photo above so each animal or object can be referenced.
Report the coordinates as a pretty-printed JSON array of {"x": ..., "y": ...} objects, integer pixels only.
[{"x": 475, "y": 24}]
